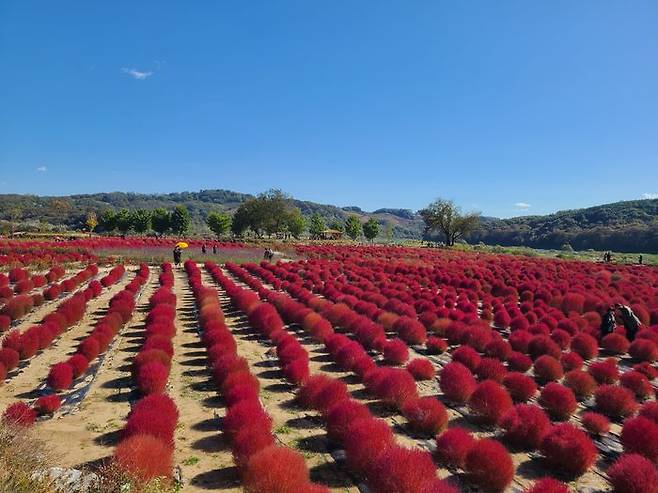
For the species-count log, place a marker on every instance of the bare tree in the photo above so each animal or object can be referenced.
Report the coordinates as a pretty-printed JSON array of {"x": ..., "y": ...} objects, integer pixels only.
[{"x": 445, "y": 217}]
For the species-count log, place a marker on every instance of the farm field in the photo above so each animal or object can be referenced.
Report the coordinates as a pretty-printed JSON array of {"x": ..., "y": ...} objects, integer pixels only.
[{"x": 337, "y": 368}]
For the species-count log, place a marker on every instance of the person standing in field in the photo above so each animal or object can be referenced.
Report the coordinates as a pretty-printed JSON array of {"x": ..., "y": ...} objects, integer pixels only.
[
  {"x": 178, "y": 252},
  {"x": 608, "y": 322},
  {"x": 203, "y": 248},
  {"x": 630, "y": 320},
  {"x": 214, "y": 248}
]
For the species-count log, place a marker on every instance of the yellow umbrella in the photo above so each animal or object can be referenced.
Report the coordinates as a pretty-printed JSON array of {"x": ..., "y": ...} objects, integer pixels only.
[{"x": 182, "y": 244}]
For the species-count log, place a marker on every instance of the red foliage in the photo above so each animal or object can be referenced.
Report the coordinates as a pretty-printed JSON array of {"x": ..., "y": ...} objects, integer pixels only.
[
  {"x": 632, "y": 473},
  {"x": 144, "y": 457},
  {"x": 615, "y": 401},
  {"x": 525, "y": 426},
  {"x": 638, "y": 383},
  {"x": 426, "y": 415},
  {"x": 396, "y": 352},
  {"x": 491, "y": 369},
  {"x": 571, "y": 361},
  {"x": 489, "y": 466},
  {"x": 457, "y": 382},
  {"x": 396, "y": 387},
  {"x": 47, "y": 404},
  {"x": 568, "y": 449},
  {"x": 650, "y": 411},
  {"x": 9, "y": 358},
  {"x": 401, "y": 470},
  {"x": 648, "y": 369},
  {"x": 436, "y": 345},
  {"x": 521, "y": 387},
  {"x": 541, "y": 344},
  {"x": 249, "y": 441},
  {"x": 321, "y": 392},
  {"x": 581, "y": 383},
  {"x": 452, "y": 446},
  {"x": 604, "y": 372},
  {"x": 640, "y": 435},
  {"x": 421, "y": 369},
  {"x": 245, "y": 413},
  {"x": 615, "y": 343},
  {"x": 79, "y": 364},
  {"x": 490, "y": 402},
  {"x": 60, "y": 376},
  {"x": 467, "y": 356},
  {"x": 519, "y": 362},
  {"x": 547, "y": 369},
  {"x": 5, "y": 323},
  {"x": 558, "y": 400},
  {"x": 595, "y": 423},
  {"x": 275, "y": 469},
  {"x": 341, "y": 415},
  {"x": 644, "y": 350},
  {"x": 547, "y": 485},
  {"x": 89, "y": 348},
  {"x": 364, "y": 440},
  {"x": 152, "y": 377},
  {"x": 410, "y": 330},
  {"x": 19, "y": 414},
  {"x": 585, "y": 345}
]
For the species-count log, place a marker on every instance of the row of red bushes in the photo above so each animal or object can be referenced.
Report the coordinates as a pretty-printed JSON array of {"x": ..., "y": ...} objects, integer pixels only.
[
  {"x": 121, "y": 307},
  {"x": 264, "y": 466},
  {"x": 145, "y": 449}
]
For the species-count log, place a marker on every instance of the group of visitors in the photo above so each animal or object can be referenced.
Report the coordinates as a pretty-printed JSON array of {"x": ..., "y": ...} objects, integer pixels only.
[
  {"x": 629, "y": 320},
  {"x": 178, "y": 252}
]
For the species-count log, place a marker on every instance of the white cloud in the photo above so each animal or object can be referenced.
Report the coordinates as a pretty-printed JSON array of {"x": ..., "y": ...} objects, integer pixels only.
[
  {"x": 650, "y": 195},
  {"x": 42, "y": 169},
  {"x": 522, "y": 205},
  {"x": 136, "y": 74}
]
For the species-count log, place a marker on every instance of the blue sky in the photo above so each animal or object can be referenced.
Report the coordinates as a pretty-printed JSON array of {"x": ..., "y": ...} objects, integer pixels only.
[{"x": 509, "y": 107}]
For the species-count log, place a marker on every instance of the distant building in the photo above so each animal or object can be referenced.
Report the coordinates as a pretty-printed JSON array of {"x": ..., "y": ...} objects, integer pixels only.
[{"x": 331, "y": 234}]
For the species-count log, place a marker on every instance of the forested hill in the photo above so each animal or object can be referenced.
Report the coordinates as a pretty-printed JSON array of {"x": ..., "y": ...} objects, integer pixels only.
[{"x": 630, "y": 226}]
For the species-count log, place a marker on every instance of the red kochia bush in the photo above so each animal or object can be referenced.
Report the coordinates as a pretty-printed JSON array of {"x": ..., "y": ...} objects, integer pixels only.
[
  {"x": 396, "y": 387},
  {"x": 19, "y": 414},
  {"x": 640, "y": 436},
  {"x": 363, "y": 441},
  {"x": 595, "y": 423},
  {"x": 585, "y": 345},
  {"x": 489, "y": 465},
  {"x": 275, "y": 470},
  {"x": 519, "y": 362},
  {"x": 644, "y": 350},
  {"x": 467, "y": 356},
  {"x": 426, "y": 415},
  {"x": 436, "y": 345},
  {"x": 152, "y": 378},
  {"x": 571, "y": 361},
  {"x": 144, "y": 457},
  {"x": 604, "y": 372},
  {"x": 457, "y": 382},
  {"x": 79, "y": 364},
  {"x": 615, "y": 401},
  {"x": 401, "y": 470},
  {"x": 581, "y": 383},
  {"x": 558, "y": 400},
  {"x": 452, "y": 446},
  {"x": 9, "y": 358},
  {"x": 525, "y": 426},
  {"x": 567, "y": 449},
  {"x": 547, "y": 369},
  {"x": 248, "y": 442},
  {"x": 491, "y": 369},
  {"x": 341, "y": 415},
  {"x": 60, "y": 376},
  {"x": 521, "y": 387},
  {"x": 396, "y": 352},
  {"x": 615, "y": 343},
  {"x": 5, "y": 323},
  {"x": 547, "y": 485},
  {"x": 421, "y": 369},
  {"x": 632, "y": 473},
  {"x": 490, "y": 402},
  {"x": 650, "y": 411},
  {"x": 638, "y": 383},
  {"x": 47, "y": 404}
]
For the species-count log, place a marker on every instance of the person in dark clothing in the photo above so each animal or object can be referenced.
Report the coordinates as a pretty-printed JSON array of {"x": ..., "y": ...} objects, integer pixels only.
[
  {"x": 203, "y": 248},
  {"x": 214, "y": 249},
  {"x": 630, "y": 320},
  {"x": 178, "y": 252},
  {"x": 608, "y": 322},
  {"x": 640, "y": 260},
  {"x": 268, "y": 255}
]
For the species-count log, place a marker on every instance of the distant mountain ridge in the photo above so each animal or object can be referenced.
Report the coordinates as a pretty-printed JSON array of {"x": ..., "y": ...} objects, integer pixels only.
[{"x": 629, "y": 226}]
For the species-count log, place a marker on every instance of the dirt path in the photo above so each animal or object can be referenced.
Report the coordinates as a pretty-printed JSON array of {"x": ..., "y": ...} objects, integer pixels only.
[
  {"x": 24, "y": 382},
  {"x": 86, "y": 436}
]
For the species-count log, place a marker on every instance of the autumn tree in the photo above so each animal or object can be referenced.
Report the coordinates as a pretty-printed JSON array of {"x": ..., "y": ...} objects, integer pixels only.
[
  {"x": 445, "y": 217},
  {"x": 91, "y": 222}
]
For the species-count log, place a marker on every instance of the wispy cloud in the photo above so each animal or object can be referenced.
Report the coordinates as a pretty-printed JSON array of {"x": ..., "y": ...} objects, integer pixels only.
[
  {"x": 42, "y": 169},
  {"x": 522, "y": 205},
  {"x": 650, "y": 195},
  {"x": 137, "y": 74}
]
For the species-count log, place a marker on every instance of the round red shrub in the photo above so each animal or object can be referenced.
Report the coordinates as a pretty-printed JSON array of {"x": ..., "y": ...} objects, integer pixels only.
[
  {"x": 595, "y": 423},
  {"x": 396, "y": 387},
  {"x": 60, "y": 376},
  {"x": 489, "y": 466},
  {"x": 585, "y": 345},
  {"x": 144, "y": 457},
  {"x": 519, "y": 362},
  {"x": 457, "y": 382},
  {"x": 499, "y": 349},
  {"x": 421, "y": 369},
  {"x": 401, "y": 470},
  {"x": 632, "y": 473},
  {"x": 364, "y": 440},
  {"x": 467, "y": 356},
  {"x": 568, "y": 449},
  {"x": 615, "y": 343},
  {"x": 637, "y": 383},
  {"x": 521, "y": 387},
  {"x": 604, "y": 372},
  {"x": 615, "y": 401},
  {"x": 643, "y": 350},
  {"x": 19, "y": 414},
  {"x": 547, "y": 369},
  {"x": 436, "y": 345},
  {"x": 9, "y": 358},
  {"x": 571, "y": 361},
  {"x": 79, "y": 364},
  {"x": 640, "y": 435},
  {"x": 396, "y": 352},
  {"x": 341, "y": 415},
  {"x": 558, "y": 400},
  {"x": 248, "y": 442},
  {"x": 646, "y": 368},
  {"x": 490, "y": 402},
  {"x": 542, "y": 344},
  {"x": 152, "y": 377},
  {"x": 491, "y": 369},
  {"x": 245, "y": 413},
  {"x": 581, "y": 383},
  {"x": 547, "y": 485},
  {"x": 89, "y": 348},
  {"x": 47, "y": 404},
  {"x": 525, "y": 426},
  {"x": 649, "y": 410},
  {"x": 425, "y": 415},
  {"x": 452, "y": 446}
]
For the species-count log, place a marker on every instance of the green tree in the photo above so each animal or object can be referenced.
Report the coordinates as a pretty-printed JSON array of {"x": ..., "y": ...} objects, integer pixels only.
[
  {"x": 337, "y": 225},
  {"x": 371, "y": 229},
  {"x": 180, "y": 220},
  {"x": 295, "y": 222},
  {"x": 161, "y": 221},
  {"x": 443, "y": 216},
  {"x": 316, "y": 226},
  {"x": 241, "y": 219},
  {"x": 353, "y": 226},
  {"x": 219, "y": 223},
  {"x": 141, "y": 220},
  {"x": 123, "y": 220},
  {"x": 388, "y": 231},
  {"x": 108, "y": 220}
]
